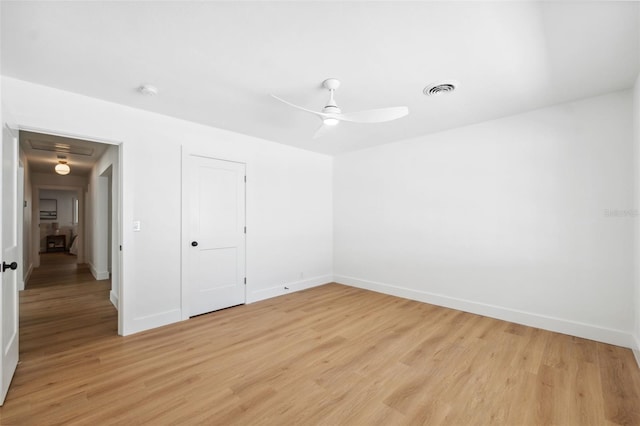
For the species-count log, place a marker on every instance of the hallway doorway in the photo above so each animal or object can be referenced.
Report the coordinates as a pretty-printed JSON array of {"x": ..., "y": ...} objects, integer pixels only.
[{"x": 77, "y": 212}]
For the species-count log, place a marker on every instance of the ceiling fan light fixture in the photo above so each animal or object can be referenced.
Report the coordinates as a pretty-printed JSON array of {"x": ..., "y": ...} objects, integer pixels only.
[
  {"x": 330, "y": 121},
  {"x": 62, "y": 168}
]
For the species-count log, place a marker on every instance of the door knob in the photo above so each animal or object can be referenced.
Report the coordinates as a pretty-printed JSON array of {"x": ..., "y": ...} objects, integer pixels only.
[
  {"x": 194, "y": 243},
  {"x": 13, "y": 266}
]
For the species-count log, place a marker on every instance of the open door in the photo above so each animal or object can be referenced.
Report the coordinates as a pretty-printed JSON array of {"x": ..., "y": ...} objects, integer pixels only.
[{"x": 10, "y": 255}]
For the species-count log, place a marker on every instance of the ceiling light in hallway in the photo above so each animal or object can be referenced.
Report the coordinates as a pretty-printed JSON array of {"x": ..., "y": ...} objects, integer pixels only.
[{"x": 62, "y": 168}]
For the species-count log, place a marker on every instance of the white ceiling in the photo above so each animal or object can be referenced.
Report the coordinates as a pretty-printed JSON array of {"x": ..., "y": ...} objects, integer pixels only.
[{"x": 217, "y": 62}]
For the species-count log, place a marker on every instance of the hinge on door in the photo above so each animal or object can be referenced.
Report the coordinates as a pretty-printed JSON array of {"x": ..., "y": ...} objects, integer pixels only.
[
  {"x": 245, "y": 179},
  {"x": 245, "y": 229},
  {"x": 121, "y": 247},
  {"x": 245, "y": 280}
]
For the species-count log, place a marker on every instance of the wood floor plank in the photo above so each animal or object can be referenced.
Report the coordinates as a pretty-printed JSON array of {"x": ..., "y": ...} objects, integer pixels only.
[
  {"x": 330, "y": 355},
  {"x": 620, "y": 385}
]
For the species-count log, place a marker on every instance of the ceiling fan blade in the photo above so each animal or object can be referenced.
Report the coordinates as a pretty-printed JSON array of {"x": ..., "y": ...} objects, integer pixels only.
[
  {"x": 374, "y": 115},
  {"x": 319, "y": 114}
]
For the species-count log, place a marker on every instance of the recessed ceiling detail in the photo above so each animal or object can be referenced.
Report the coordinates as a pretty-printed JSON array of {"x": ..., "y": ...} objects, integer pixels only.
[
  {"x": 44, "y": 151},
  {"x": 60, "y": 147},
  {"x": 440, "y": 88}
]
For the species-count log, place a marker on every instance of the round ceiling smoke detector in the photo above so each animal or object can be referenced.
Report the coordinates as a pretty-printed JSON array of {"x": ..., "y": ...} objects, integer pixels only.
[
  {"x": 148, "y": 90},
  {"x": 441, "y": 87}
]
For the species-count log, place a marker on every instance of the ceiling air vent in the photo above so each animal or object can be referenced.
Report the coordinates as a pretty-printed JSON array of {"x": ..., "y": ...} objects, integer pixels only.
[
  {"x": 65, "y": 148},
  {"x": 440, "y": 88}
]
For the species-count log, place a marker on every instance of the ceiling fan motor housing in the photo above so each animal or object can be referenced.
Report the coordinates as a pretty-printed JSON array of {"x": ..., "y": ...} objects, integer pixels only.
[
  {"x": 331, "y": 83},
  {"x": 331, "y": 109}
]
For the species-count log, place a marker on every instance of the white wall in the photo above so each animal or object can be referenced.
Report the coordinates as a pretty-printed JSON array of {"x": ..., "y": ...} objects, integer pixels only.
[
  {"x": 289, "y": 214},
  {"x": 97, "y": 215},
  {"x": 101, "y": 247},
  {"x": 289, "y": 197},
  {"x": 526, "y": 218}
]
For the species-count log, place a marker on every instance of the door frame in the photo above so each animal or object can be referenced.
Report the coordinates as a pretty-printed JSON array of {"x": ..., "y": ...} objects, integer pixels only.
[
  {"x": 22, "y": 278},
  {"x": 122, "y": 308},
  {"x": 184, "y": 240}
]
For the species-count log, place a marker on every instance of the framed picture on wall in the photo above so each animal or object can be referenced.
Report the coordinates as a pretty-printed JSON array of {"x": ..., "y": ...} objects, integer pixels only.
[{"x": 48, "y": 209}]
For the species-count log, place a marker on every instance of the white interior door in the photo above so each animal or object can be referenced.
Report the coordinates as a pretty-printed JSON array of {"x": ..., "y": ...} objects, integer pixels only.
[
  {"x": 215, "y": 255},
  {"x": 10, "y": 255}
]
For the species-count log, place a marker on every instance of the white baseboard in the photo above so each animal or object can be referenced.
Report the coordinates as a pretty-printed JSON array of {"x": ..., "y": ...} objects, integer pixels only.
[
  {"x": 559, "y": 325},
  {"x": 98, "y": 275},
  {"x": 114, "y": 299},
  {"x": 27, "y": 276},
  {"x": 148, "y": 322},
  {"x": 279, "y": 290},
  {"x": 636, "y": 349}
]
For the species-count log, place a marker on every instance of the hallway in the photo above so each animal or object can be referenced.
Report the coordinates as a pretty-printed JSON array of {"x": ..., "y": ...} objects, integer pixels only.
[{"x": 62, "y": 307}]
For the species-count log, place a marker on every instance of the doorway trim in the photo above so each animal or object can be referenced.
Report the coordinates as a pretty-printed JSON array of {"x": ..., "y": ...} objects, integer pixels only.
[{"x": 116, "y": 218}]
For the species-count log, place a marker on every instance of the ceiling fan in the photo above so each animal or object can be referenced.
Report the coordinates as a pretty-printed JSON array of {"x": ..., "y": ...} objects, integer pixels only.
[{"x": 331, "y": 114}]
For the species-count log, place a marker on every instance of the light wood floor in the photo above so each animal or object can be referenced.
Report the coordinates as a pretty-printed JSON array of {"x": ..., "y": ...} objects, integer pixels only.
[{"x": 329, "y": 355}]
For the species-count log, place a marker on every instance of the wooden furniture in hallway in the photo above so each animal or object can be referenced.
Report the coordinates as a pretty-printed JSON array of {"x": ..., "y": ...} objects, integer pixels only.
[
  {"x": 328, "y": 355},
  {"x": 56, "y": 243}
]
